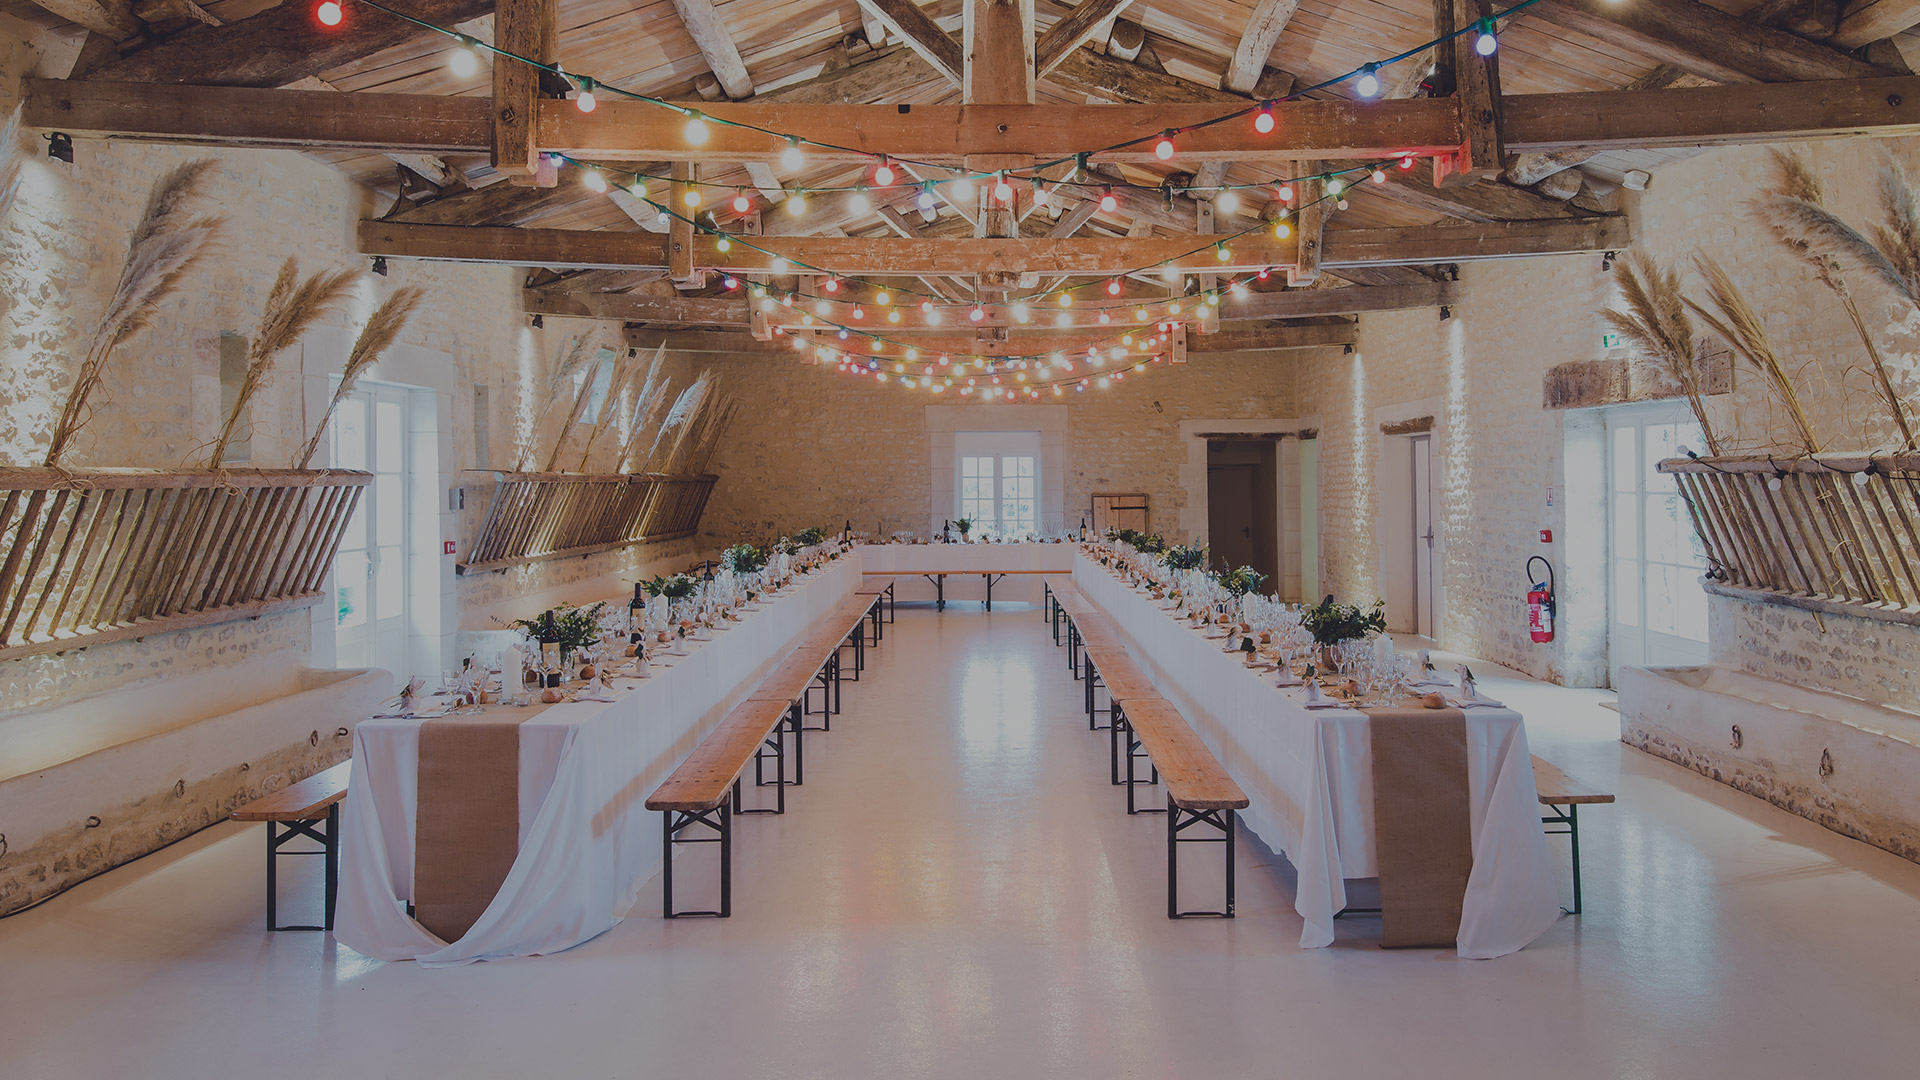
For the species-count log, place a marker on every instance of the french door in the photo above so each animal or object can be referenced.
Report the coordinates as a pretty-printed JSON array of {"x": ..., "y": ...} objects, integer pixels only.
[
  {"x": 370, "y": 431},
  {"x": 1659, "y": 610},
  {"x": 998, "y": 486}
]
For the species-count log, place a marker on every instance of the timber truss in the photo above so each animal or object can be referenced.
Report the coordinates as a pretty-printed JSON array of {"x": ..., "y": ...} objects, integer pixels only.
[{"x": 471, "y": 168}]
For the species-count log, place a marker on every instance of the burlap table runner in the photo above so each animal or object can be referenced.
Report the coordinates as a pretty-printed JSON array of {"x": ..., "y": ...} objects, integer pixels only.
[
  {"x": 466, "y": 819},
  {"x": 1422, "y": 827}
]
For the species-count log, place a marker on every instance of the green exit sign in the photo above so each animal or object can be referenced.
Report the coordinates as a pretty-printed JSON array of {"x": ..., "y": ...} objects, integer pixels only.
[{"x": 1609, "y": 341}]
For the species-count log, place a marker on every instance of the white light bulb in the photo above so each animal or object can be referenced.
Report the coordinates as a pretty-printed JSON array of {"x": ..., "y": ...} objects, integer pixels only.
[
  {"x": 791, "y": 158},
  {"x": 859, "y": 203},
  {"x": 696, "y": 130},
  {"x": 1368, "y": 84},
  {"x": 463, "y": 63},
  {"x": 1228, "y": 202}
]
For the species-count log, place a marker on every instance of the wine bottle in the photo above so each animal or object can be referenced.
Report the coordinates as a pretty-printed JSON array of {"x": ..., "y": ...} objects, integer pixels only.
[
  {"x": 550, "y": 649},
  {"x": 637, "y": 615},
  {"x": 1083, "y": 530}
]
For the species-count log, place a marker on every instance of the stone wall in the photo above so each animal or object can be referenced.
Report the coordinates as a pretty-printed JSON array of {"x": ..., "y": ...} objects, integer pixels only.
[{"x": 817, "y": 447}]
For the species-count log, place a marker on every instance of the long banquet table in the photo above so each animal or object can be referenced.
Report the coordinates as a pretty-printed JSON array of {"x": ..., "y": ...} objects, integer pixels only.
[
  {"x": 586, "y": 843},
  {"x": 1309, "y": 774},
  {"x": 966, "y": 562}
]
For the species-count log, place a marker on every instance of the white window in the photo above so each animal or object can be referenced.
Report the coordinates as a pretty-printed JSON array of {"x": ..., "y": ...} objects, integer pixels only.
[
  {"x": 998, "y": 482},
  {"x": 370, "y": 432},
  {"x": 1659, "y": 613}
]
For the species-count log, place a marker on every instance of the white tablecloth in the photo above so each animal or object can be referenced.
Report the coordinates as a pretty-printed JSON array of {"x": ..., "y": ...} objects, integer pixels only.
[
  {"x": 587, "y": 841},
  {"x": 967, "y": 562},
  {"x": 1309, "y": 774}
]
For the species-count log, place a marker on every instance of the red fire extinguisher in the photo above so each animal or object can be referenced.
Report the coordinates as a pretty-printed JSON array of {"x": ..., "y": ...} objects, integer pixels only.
[{"x": 1540, "y": 602}]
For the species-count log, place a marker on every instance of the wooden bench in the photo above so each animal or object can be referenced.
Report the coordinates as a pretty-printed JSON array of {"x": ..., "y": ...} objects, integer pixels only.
[
  {"x": 1556, "y": 789},
  {"x": 883, "y": 609},
  {"x": 297, "y": 810},
  {"x": 1063, "y": 601},
  {"x": 705, "y": 789},
  {"x": 1199, "y": 791}
]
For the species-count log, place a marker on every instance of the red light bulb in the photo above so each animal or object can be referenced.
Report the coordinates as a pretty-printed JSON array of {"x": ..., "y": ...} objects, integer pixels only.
[
  {"x": 329, "y": 13},
  {"x": 1108, "y": 204},
  {"x": 884, "y": 175},
  {"x": 833, "y": 285},
  {"x": 741, "y": 204},
  {"x": 1164, "y": 148},
  {"x": 1284, "y": 193},
  {"x": 1263, "y": 120},
  {"x": 1113, "y": 287}
]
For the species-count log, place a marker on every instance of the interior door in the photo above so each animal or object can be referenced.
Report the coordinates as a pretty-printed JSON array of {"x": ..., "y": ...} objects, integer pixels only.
[
  {"x": 1423, "y": 535},
  {"x": 1230, "y": 514},
  {"x": 370, "y": 432}
]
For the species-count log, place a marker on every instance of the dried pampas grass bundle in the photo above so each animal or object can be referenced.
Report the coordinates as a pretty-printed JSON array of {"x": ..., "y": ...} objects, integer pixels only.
[
  {"x": 569, "y": 361},
  {"x": 381, "y": 331},
  {"x": 166, "y": 245},
  {"x": 293, "y": 307},
  {"x": 646, "y": 408},
  {"x": 1656, "y": 321},
  {"x": 1735, "y": 320},
  {"x": 685, "y": 408},
  {"x": 1796, "y": 213}
]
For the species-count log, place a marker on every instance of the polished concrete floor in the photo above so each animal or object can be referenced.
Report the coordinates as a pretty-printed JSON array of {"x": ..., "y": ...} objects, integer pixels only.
[{"x": 956, "y": 892}]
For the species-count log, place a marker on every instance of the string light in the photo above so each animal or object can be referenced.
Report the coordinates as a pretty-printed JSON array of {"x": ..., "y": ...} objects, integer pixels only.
[
  {"x": 1368, "y": 84},
  {"x": 692, "y": 197},
  {"x": 791, "y": 158},
  {"x": 1228, "y": 201},
  {"x": 1263, "y": 120},
  {"x": 462, "y": 61},
  {"x": 593, "y": 180},
  {"x": 724, "y": 245},
  {"x": 1164, "y": 148},
  {"x": 1220, "y": 252},
  {"x": 638, "y": 189},
  {"x": 925, "y": 200},
  {"x": 329, "y": 13},
  {"x": 883, "y": 174},
  {"x": 1108, "y": 203},
  {"x": 858, "y": 202},
  {"x": 696, "y": 131},
  {"x": 586, "y": 102},
  {"x": 1379, "y": 176},
  {"x": 796, "y": 204},
  {"x": 1002, "y": 190},
  {"x": 1284, "y": 193},
  {"x": 1485, "y": 43},
  {"x": 1113, "y": 286},
  {"x": 882, "y": 298},
  {"x": 741, "y": 204}
]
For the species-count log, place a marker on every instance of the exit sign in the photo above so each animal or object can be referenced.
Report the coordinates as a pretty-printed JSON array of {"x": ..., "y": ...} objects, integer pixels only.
[{"x": 1609, "y": 341}]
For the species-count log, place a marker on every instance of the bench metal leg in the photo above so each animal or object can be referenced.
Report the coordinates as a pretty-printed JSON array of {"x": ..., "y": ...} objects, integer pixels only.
[
  {"x": 1073, "y": 648},
  {"x": 824, "y": 680},
  {"x": 892, "y": 603},
  {"x": 327, "y": 836},
  {"x": 1128, "y": 744},
  {"x": 720, "y": 820},
  {"x": 990, "y": 579},
  {"x": 1570, "y": 817},
  {"x": 1178, "y": 820},
  {"x": 777, "y": 742},
  {"x": 939, "y": 590}
]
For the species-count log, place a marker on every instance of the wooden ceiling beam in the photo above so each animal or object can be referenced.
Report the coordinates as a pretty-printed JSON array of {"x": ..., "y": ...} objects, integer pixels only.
[
  {"x": 528, "y": 28},
  {"x": 1420, "y": 245},
  {"x": 1081, "y": 25},
  {"x": 1865, "y": 21},
  {"x": 280, "y": 45},
  {"x": 1265, "y": 339},
  {"x": 920, "y": 33},
  {"x": 1487, "y": 200},
  {"x": 1268, "y": 338},
  {"x": 1705, "y": 41},
  {"x": 1264, "y": 27},
  {"x": 381, "y": 123},
  {"x": 864, "y": 256},
  {"x": 709, "y": 33}
]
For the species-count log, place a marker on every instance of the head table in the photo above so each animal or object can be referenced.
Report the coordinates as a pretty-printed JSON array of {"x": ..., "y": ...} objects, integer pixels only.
[
  {"x": 1025, "y": 562},
  {"x": 1309, "y": 775},
  {"x": 586, "y": 841}
]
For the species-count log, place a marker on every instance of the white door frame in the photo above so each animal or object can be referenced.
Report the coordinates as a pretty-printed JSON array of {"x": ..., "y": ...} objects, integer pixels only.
[
  {"x": 943, "y": 421},
  {"x": 1392, "y": 498}
]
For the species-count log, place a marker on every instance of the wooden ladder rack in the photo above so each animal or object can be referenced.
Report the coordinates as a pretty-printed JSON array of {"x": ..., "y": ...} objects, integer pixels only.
[{"x": 536, "y": 516}]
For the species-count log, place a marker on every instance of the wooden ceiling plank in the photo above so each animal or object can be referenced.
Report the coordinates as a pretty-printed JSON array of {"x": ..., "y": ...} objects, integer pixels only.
[
  {"x": 1865, "y": 21},
  {"x": 1487, "y": 200},
  {"x": 919, "y": 32},
  {"x": 281, "y": 45},
  {"x": 1264, "y": 27},
  {"x": 1705, "y": 41},
  {"x": 114, "y": 18},
  {"x": 1465, "y": 242},
  {"x": 1083, "y": 24},
  {"x": 703, "y": 24}
]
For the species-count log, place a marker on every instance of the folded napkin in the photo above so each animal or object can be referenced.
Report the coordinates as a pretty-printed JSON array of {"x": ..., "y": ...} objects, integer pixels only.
[
  {"x": 595, "y": 693},
  {"x": 1474, "y": 703}
]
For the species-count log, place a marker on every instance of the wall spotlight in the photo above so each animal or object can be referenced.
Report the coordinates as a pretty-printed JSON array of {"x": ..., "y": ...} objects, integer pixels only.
[
  {"x": 538, "y": 322},
  {"x": 1446, "y": 312},
  {"x": 60, "y": 147},
  {"x": 380, "y": 265}
]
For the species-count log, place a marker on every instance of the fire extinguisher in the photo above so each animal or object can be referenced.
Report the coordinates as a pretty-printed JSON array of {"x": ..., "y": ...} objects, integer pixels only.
[{"x": 1540, "y": 602}]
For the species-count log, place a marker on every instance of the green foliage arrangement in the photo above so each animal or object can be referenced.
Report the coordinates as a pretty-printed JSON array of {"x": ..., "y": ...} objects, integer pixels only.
[
  {"x": 965, "y": 525},
  {"x": 1242, "y": 581},
  {"x": 1152, "y": 544},
  {"x": 676, "y": 587},
  {"x": 1185, "y": 556},
  {"x": 744, "y": 559},
  {"x": 579, "y": 627},
  {"x": 809, "y": 536},
  {"x": 1329, "y": 622}
]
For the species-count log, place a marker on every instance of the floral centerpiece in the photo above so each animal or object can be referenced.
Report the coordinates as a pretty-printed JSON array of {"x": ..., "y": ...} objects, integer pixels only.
[
  {"x": 965, "y": 525},
  {"x": 1242, "y": 581},
  {"x": 1185, "y": 556},
  {"x": 810, "y": 536},
  {"x": 1331, "y": 623},
  {"x": 673, "y": 587},
  {"x": 744, "y": 559}
]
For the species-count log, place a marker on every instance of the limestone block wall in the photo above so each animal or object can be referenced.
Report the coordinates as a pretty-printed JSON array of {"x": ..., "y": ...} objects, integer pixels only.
[{"x": 814, "y": 446}]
